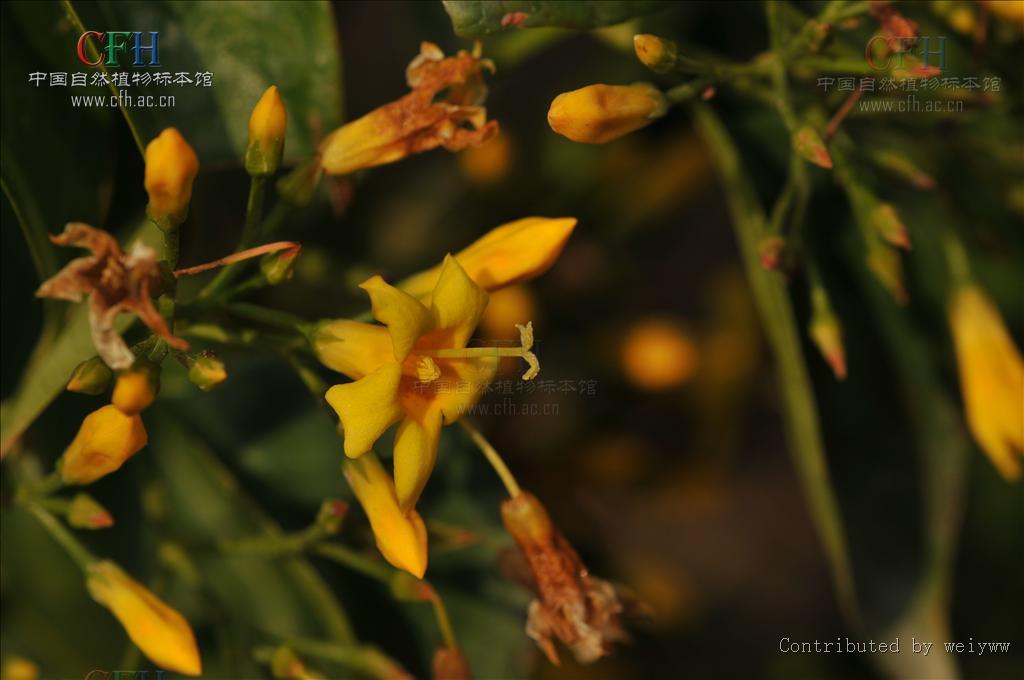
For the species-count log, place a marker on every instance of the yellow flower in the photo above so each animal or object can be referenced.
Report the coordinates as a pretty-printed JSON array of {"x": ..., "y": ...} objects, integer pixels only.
[
  {"x": 267, "y": 126},
  {"x": 991, "y": 378},
  {"x": 401, "y": 534},
  {"x": 162, "y": 634},
  {"x": 106, "y": 439},
  {"x": 171, "y": 166},
  {"x": 597, "y": 114},
  {"x": 207, "y": 371},
  {"x": 508, "y": 254},
  {"x": 134, "y": 390},
  {"x": 419, "y": 121},
  {"x": 19, "y": 668},
  {"x": 415, "y": 370}
]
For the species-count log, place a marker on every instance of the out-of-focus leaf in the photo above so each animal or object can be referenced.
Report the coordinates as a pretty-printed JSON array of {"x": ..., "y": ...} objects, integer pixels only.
[
  {"x": 247, "y": 46},
  {"x": 206, "y": 505},
  {"x": 475, "y": 18}
]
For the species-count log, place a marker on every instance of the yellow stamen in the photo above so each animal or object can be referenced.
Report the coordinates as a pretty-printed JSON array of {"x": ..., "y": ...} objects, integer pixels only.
[
  {"x": 523, "y": 352},
  {"x": 426, "y": 370}
]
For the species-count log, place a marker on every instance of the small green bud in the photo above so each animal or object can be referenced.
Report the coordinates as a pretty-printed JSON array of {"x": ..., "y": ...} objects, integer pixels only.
[
  {"x": 331, "y": 515},
  {"x": 278, "y": 267},
  {"x": 207, "y": 371},
  {"x": 886, "y": 221},
  {"x": 92, "y": 376},
  {"x": 299, "y": 186},
  {"x": 809, "y": 146},
  {"x": 267, "y": 126},
  {"x": 86, "y": 513}
]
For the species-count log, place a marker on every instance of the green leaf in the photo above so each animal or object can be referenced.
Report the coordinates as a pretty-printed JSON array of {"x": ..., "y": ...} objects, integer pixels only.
[
  {"x": 206, "y": 505},
  {"x": 247, "y": 46},
  {"x": 476, "y": 18}
]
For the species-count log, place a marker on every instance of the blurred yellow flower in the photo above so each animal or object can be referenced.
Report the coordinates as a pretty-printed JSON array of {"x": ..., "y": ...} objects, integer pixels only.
[
  {"x": 487, "y": 163},
  {"x": 171, "y": 166},
  {"x": 1010, "y": 11},
  {"x": 19, "y": 668},
  {"x": 597, "y": 114},
  {"x": 401, "y": 534},
  {"x": 106, "y": 439},
  {"x": 508, "y": 307},
  {"x": 658, "y": 354},
  {"x": 991, "y": 378},
  {"x": 159, "y": 631},
  {"x": 512, "y": 253},
  {"x": 421, "y": 120}
]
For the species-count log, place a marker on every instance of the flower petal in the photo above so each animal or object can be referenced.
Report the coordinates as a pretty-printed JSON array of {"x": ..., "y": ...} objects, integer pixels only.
[
  {"x": 401, "y": 536},
  {"x": 405, "y": 316},
  {"x": 415, "y": 454},
  {"x": 351, "y": 347},
  {"x": 367, "y": 407},
  {"x": 456, "y": 304},
  {"x": 471, "y": 378},
  {"x": 508, "y": 254}
]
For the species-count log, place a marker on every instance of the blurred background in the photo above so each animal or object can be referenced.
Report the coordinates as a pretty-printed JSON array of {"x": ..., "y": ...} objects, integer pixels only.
[{"x": 660, "y": 449}]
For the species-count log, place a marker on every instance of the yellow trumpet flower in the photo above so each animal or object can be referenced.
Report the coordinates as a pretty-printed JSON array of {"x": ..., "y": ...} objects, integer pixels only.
[
  {"x": 415, "y": 370},
  {"x": 419, "y": 121},
  {"x": 401, "y": 534},
  {"x": 106, "y": 439},
  {"x": 597, "y": 114},
  {"x": 991, "y": 378},
  {"x": 158, "y": 630},
  {"x": 171, "y": 166}
]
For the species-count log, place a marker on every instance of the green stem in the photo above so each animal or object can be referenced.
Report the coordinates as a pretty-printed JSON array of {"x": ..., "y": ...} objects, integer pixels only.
[
  {"x": 270, "y": 317},
  {"x": 250, "y": 232},
  {"x": 443, "y": 622},
  {"x": 364, "y": 659},
  {"x": 78, "y": 552},
  {"x": 354, "y": 560},
  {"x": 493, "y": 457},
  {"x": 775, "y": 310},
  {"x": 80, "y": 27}
]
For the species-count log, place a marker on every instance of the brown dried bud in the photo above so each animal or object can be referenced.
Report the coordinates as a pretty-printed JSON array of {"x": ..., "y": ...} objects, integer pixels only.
[
  {"x": 580, "y": 610},
  {"x": 450, "y": 664}
]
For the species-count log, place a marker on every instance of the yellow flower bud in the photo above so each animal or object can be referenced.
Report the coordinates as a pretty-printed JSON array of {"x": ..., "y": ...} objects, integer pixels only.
[
  {"x": 278, "y": 267},
  {"x": 90, "y": 377},
  {"x": 826, "y": 332},
  {"x": 401, "y": 536},
  {"x": 512, "y": 253},
  {"x": 1009, "y": 11},
  {"x": 158, "y": 630},
  {"x": 597, "y": 114},
  {"x": 106, "y": 439},
  {"x": 206, "y": 372},
  {"x": 135, "y": 389},
  {"x": 655, "y": 53},
  {"x": 171, "y": 166},
  {"x": 487, "y": 164},
  {"x": 991, "y": 378},
  {"x": 267, "y": 126},
  {"x": 85, "y": 513},
  {"x": 886, "y": 221}
]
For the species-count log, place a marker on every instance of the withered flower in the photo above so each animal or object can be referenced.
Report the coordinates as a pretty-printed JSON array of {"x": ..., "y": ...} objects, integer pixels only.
[
  {"x": 116, "y": 282},
  {"x": 581, "y": 610},
  {"x": 421, "y": 120}
]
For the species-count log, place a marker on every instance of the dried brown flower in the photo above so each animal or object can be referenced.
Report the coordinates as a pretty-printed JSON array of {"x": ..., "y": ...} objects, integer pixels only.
[
  {"x": 581, "y": 610},
  {"x": 443, "y": 109},
  {"x": 116, "y": 282}
]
